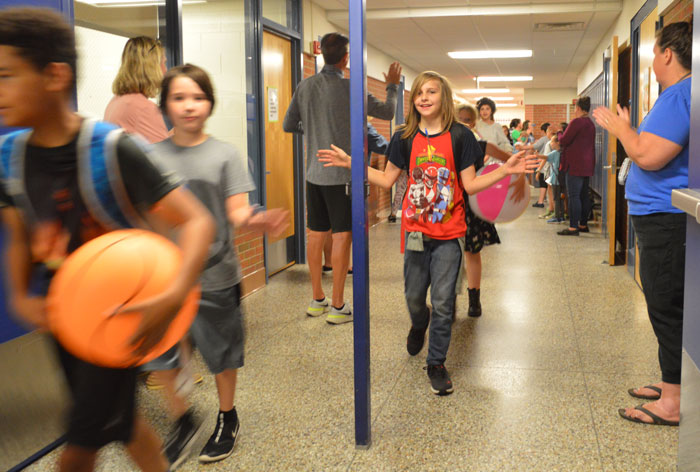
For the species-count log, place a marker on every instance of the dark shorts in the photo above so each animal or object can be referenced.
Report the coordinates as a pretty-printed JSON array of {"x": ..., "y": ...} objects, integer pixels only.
[
  {"x": 328, "y": 207},
  {"x": 217, "y": 332},
  {"x": 103, "y": 402},
  {"x": 542, "y": 181}
]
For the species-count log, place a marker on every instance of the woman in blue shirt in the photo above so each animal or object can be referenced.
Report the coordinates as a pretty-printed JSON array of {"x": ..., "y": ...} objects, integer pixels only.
[{"x": 659, "y": 152}]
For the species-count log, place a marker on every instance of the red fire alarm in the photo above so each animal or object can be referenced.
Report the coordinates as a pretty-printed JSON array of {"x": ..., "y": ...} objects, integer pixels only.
[{"x": 316, "y": 46}]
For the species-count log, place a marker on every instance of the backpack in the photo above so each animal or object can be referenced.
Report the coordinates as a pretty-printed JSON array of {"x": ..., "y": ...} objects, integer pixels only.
[{"x": 99, "y": 176}]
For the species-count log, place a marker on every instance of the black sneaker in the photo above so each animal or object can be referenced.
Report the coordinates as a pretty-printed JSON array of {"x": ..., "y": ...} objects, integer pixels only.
[
  {"x": 538, "y": 205},
  {"x": 222, "y": 441},
  {"x": 416, "y": 340},
  {"x": 182, "y": 439},
  {"x": 440, "y": 382}
]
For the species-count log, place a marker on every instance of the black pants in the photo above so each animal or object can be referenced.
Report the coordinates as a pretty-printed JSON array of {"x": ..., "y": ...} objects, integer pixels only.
[
  {"x": 558, "y": 203},
  {"x": 661, "y": 240}
]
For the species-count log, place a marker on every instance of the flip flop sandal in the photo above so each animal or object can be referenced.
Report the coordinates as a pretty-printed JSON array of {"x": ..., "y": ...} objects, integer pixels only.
[
  {"x": 656, "y": 420},
  {"x": 646, "y": 397}
]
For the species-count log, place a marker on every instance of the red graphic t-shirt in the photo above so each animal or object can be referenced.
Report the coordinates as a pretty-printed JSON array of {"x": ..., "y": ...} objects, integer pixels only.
[{"x": 434, "y": 201}]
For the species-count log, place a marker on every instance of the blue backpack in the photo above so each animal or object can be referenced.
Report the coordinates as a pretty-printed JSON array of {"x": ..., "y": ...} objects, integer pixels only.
[{"x": 99, "y": 177}]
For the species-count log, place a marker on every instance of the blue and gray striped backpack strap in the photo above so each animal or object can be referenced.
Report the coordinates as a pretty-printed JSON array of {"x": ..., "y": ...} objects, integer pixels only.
[
  {"x": 100, "y": 178},
  {"x": 12, "y": 151}
]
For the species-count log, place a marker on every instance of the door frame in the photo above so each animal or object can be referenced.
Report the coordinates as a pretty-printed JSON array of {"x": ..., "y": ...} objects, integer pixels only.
[
  {"x": 295, "y": 37},
  {"x": 635, "y": 24},
  {"x": 611, "y": 88}
]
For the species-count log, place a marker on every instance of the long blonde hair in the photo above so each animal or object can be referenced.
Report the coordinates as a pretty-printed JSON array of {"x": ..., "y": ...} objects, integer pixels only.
[
  {"x": 140, "y": 71},
  {"x": 446, "y": 104}
]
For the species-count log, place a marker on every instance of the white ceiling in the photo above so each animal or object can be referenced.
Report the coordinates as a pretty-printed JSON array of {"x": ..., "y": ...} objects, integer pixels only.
[{"x": 419, "y": 33}]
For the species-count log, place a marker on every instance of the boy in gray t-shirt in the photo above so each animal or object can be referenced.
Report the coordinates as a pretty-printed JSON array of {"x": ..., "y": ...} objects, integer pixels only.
[{"x": 215, "y": 173}]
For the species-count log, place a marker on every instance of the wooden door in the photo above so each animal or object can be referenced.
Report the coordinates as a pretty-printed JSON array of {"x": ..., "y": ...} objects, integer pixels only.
[
  {"x": 279, "y": 146},
  {"x": 612, "y": 154}
]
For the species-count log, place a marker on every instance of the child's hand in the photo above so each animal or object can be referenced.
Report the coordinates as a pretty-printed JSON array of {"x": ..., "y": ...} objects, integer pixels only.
[
  {"x": 157, "y": 314},
  {"x": 32, "y": 310},
  {"x": 334, "y": 157},
  {"x": 273, "y": 221},
  {"x": 521, "y": 163}
]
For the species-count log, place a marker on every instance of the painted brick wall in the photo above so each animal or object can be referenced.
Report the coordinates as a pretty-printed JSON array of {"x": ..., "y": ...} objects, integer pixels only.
[
  {"x": 553, "y": 114},
  {"x": 680, "y": 10},
  {"x": 249, "y": 246}
]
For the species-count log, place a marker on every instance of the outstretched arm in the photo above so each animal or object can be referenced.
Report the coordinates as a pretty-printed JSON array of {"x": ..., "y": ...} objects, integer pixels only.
[
  {"x": 517, "y": 164},
  {"x": 179, "y": 209},
  {"x": 245, "y": 216},
  {"x": 336, "y": 157}
]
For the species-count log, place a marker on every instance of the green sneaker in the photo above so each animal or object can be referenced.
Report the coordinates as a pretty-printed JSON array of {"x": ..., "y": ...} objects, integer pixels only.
[
  {"x": 547, "y": 215},
  {"x": 336, "y": 316},
  {"x": 317, "y": 308}
]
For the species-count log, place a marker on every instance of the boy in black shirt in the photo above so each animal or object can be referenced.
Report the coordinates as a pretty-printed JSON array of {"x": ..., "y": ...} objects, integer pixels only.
[{"x": 48, "y": 211}]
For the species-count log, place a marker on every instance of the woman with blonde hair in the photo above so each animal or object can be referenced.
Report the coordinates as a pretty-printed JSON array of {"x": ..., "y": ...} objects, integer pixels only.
[{"x": 138, "y": 80}]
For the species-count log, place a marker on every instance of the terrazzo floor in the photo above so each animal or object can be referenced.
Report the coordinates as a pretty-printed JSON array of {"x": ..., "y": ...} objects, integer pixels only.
[{"x": 538, "y": 378}]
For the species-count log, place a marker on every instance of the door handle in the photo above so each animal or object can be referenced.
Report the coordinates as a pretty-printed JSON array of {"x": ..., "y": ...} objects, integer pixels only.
[
  {"x": 607, "y": 167},
  {"x": 688, "y": 200}
]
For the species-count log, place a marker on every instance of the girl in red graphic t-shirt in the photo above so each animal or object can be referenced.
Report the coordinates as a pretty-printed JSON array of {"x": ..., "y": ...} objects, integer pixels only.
[{"x": 438, "y": 154}]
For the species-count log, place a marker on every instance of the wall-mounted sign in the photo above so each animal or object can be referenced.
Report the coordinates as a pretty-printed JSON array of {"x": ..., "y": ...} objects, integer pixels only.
[{"x": 273, "y": 112}]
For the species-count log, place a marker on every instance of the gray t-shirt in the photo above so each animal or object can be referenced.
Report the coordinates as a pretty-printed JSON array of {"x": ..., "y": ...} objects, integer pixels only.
[
  {"x": 320, "y": 108},
  {"x": 213, "y": 171}
]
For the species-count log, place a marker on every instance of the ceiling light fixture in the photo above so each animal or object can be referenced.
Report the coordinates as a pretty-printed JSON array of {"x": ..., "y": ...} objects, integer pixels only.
[
  {"x": 504, "y": 78},
  {"x": 491, "y": 54},
  {"x": 486, "y": 90},
  {"x": 498, "y": 99},
  {"x": 508, "y": 105}
]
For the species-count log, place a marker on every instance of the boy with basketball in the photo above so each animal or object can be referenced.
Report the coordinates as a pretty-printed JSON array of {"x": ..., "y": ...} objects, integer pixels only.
[{"x": 48, "y": 212}]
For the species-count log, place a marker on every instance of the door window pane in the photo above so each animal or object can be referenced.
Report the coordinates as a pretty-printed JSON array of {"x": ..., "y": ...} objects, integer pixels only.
[
  {"x": 277, "y": 11},
  {"x": 101, "y": 31}
]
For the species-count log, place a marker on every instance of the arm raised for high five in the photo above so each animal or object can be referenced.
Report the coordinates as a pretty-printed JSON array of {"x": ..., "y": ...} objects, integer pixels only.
[
  {"x": 519, "y": 163},
  {"x": 336, "y": 157}
]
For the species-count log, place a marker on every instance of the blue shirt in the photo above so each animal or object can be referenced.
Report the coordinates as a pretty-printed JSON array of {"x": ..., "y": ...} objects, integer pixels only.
[
  {"x": 553, "y": 159},
  {"x": 649, "y": 191}
]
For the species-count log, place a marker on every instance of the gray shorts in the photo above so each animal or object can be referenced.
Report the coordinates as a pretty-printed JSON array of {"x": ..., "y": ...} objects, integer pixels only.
[{"x": 217, "y": 332}]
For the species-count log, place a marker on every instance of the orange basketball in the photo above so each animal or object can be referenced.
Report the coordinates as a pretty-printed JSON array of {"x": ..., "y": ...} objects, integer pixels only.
[{"x": 117, "y": 269}]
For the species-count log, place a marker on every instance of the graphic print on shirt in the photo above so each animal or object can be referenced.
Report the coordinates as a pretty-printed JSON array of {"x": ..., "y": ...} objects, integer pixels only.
[{"x": 431, "y": 188}]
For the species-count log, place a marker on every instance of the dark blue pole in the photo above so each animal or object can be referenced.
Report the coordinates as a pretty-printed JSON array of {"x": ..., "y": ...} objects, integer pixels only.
[{"x": 360, "y": 260}]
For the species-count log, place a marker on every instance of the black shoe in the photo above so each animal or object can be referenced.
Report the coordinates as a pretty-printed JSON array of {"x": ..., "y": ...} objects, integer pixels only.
[
  {"x": 327, "y": 268},
  {"x": 182, "y": 439},
  {"x": 416, "y": 340},
  {"x": 222, "y": 441},
  {"x": 567, "y": 232},
  {"x": 474, "y": 303},
  {"x": 392, "y": 218},
  {"x": 583, "y": 229},
  {"x": 440, "y": 383},
  {"x": 538, "y": 205}
]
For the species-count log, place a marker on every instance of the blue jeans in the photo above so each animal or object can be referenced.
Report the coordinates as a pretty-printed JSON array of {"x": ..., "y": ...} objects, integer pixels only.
[
  {"x": 579, "y": 201},
  {"x": 436, "y": 267}
]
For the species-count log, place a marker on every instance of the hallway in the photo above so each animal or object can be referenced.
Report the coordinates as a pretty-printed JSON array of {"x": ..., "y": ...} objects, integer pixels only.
[{"x": 538, "y": 378}]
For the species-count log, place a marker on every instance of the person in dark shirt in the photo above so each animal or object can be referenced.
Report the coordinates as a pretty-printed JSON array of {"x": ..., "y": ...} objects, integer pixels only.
[
  {"x": 52, "y": 217},
  {"x": 578, "y": 161}
]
